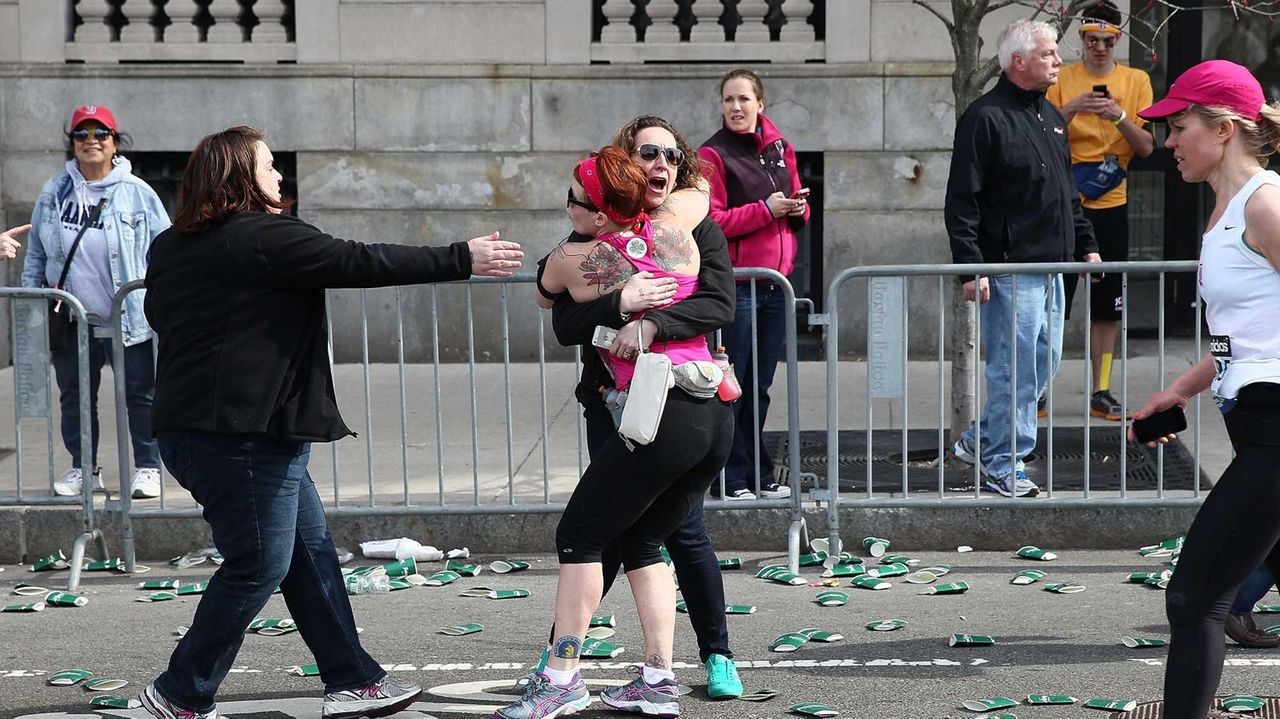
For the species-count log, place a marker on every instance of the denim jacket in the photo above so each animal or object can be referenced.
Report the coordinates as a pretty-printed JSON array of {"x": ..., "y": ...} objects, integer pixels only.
[{"x": 131, "y": 219}]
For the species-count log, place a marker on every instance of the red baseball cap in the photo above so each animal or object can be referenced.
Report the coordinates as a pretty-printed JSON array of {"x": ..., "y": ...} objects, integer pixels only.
[
  {"x": 97, "y": 113},
  {"x": 1212, "y": 83}
]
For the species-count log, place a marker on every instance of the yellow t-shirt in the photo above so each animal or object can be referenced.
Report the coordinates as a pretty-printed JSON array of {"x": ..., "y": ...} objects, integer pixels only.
[{"x": 1092, "y": 138}]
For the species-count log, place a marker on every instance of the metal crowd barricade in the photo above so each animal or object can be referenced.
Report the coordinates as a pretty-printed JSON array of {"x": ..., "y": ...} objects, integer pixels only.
[
  {"x": 887, "y": 287},
  {"x": 33, "y": 395},
  {"x": 412, "y": 488}
]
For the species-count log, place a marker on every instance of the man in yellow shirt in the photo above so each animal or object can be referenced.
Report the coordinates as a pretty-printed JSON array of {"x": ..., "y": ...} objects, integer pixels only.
[{"x": 1100, "y": 99}]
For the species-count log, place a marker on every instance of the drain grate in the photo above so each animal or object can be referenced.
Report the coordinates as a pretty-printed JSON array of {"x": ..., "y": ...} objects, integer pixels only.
[
  {"x": 1069, "y": 460},
  {"x": 1155, "y": 710}
]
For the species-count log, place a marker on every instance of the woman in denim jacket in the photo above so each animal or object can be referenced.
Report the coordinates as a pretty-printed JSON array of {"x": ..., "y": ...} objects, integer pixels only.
[{"x": 112, "y": 253}]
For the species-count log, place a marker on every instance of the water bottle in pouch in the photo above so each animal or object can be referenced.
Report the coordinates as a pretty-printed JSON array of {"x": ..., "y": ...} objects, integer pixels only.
[{"x": 729, "y": 390}]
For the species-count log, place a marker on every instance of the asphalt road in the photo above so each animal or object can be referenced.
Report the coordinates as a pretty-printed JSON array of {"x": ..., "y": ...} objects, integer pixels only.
[{"x": 1045, "y": 643}]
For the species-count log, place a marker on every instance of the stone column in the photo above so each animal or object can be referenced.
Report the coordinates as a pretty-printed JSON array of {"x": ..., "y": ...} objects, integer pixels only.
[
  {"x": 708, "y": 28},
  {"x": 139, "y": 14},
  {"x": 662, "y": 16},
  {"x": 618, "y": 29},
  {"x": 226, "y": 22},
  {"x": 44, "y": 29},
  {"x": 753, "y": 28},
  {"x": 796, "y": 28},
  {"x": 94, "y": 14},
  {"x": 270, "y": 26},
  {"x": 182, "y": 26}
]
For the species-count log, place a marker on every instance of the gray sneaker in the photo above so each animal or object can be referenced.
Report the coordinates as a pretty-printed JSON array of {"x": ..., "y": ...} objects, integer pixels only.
[
  {"x": 659, "y": 700},
  {"x": 544, "y": 700},
  {"x": 160, "y": 708},
  {"x": 380, "y": 699}
]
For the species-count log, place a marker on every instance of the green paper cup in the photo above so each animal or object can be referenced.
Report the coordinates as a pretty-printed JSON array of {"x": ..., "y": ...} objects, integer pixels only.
[
  {"x": 469, "y": 570},
  {"x": 788, "y": 642},
  {"x": 1123, "y": 705},
  {"x": 821, "y": 635},
  {"x": 105, "y": 565},
  {"x": 938, "y": 570},
  {"x": 1030, "y": 576},
  {"x": 1050, "y": 699},
  {"x": 600, "y": 632},
  {"x": 832, "y": 599},
  {"x": 813, "y": 710},
  {"x": 1141, "y": 642},
  {"x": 1030, "y": 552},
  {"x": 1242, "y": 703},
  {"x": 505, "y": 566},
  {"x": 682, "y": 607},
  {"x": 739, "y": 609},
  {"x": 111, "y": 702},
  {"x": 50, "y": 562},
  {"x": 159, "y": 585},
  {"x": 822, "y": 544},
  {"x": 844, "y": 570},
  {"x": 760, "y": 695},
  {"x": 65, "y": 599},
  {"x": 785, "y": 577},
  {"x": 875, "y": 546},
  {"x": 157, "y": 597},
  {"x": 1267, "y": 608},
  {"x": 67, "y": 677},
  {"x": 32, "y": 607},
  {"x": 508, "y": 594},
  {"x": 443, "y": 577},
  {"x": 1160, "y": 582},
  {"x": 599, "y": 649},
  {"x": 475, "y": 592},
  {"x": 920, "y": 578},
  {"x": 459, "y": 630},
  {"x": 970, "y": 640},
  {"x": 1163, "y": 549},
  {"x": 952, "y": 588},
  {"x": 30, "y": 590},
  {"x": 399, "y": 583},
  {"x": 1064, "y": 588},
  {"x": 886, "y": 625},
  {"x": 813, "y": 560},
  {"x": 1141, "y": 577},
  {"x": 604, "y": 620},
  {"x": 730, "y": 563},
  {"x": 888, "y": 570},
  {"x": 986, "y": 705},
  {"x": 104, "y": 685},
  {"x": 401, "y": 567},
  {"x": 868, "y": 582},
  {"x": 899, "y": 559},
  {"x": 306, "y": 670},
  {"x": 190, "y": 589}
]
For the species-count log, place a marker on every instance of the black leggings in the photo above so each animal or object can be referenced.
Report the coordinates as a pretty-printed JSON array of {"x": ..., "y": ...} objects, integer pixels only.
[
  {"x": 1235, "y": 531},
  {"x": 639, "y": 497}
]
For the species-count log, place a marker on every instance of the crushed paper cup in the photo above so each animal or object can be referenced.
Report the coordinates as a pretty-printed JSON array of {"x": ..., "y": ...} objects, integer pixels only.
[
  {"x": 682, "y": 607},
  {"x": 50, "y": 562},
  {"x": 469, "y": 570},
  {"x": 104, "y": 685},
  {"x": 599, "y": 649},
  {"x": 401, "y": 567},
  {"x": 1162, "y": 549},
  {"x": 730, "y": 563},
  {"x": 603, "y": 620},
  {"x": 964, "y": 548},
  {"x": 67, "y": 677},
  {"x": 938, "y": 570},
  {"x": 1123, "y": 705},
  {"x": 1266, "y": 608},
  {"x": 272, "y": 627},
  {"x": 823, "y": 544},
  {"x": 952, "y": 588},
  {"x": 157, "y": 597},
  {"x": 759, "y": 695},
  {"x": 105, "y": 565},
  {"x": 65, "y": 599},
  {"x": 463, "y": 553},
  {"x": 1064, "y": 588},
  {"x": 888, "y": 570},
  {"x": 111, "y": 702},
  {"x": 832, "y": 599},
  {"x": 1030, "y": 576},
  {"x": 986, "y": 705},
  {"x": 876, "y": 546},
  {"x": 507, "y": 593},
  {"x": 869, "y": 582},
  {"x": 1050, "y": 699},
  {"x": 181, "y": 631},
  {"x": 1161, "y": 582},
  {"x": 503, "y": 566},
  {"x": 814, "y": 559},
  {"x": 844, "y": 570},
  {"x": 816, "y": 634},
  {"x": 899, "y": 559},
  {"x": 443, "y": 577},
  {"x": 971, "y": 640},
  {"x": 1142, "y": 577},
  {"x": 1242, "y": 703},
  {"x": 739, "y": 609},
  {"x": 29, "y": 590},
  {"x": 32, "y": 607},
  {"x": 398, "y": 583},
  {"x": 920, "y": 578},
  {"x": 600, "y": 632},
  {"x": 788, "y": 642},
  {"x": 459, "y": 630},
  {"x": 780, "y": 574},
  {"x": 1140, "y": 642},
  {"x": 190, "y": 589},
  {"x": 1032, "y": 552},
  {"x": 813, "y": 709},
  {"x": 306, "y": 670},
  {"x": 159, "y": 585},
  {"x": 886, "y": 625}
]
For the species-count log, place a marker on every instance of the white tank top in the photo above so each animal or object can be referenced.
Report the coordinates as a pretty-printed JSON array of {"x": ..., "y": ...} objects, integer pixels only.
[{"x": 1241, "y": 291}]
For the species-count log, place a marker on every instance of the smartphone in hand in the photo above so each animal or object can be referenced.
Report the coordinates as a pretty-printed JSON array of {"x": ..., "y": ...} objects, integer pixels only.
[
  {"x": 1102, "y": 89},
  {"x": 1161, "y": 424},
  {"x": 801, "y": 194}
]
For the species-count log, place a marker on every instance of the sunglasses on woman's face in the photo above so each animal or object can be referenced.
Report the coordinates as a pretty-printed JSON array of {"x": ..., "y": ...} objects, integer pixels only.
[
  {"x": 584, "y": 205},
  {"x": 100, "y": 134},
  {"x": 649, "y": 153}
]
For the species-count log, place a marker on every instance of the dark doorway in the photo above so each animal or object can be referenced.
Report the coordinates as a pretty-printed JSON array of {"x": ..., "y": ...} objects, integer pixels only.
[{"x": 806, "y": 278}]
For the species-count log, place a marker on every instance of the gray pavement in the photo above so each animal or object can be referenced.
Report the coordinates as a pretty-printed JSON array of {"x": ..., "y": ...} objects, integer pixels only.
[{"x": 1045, "y": 643}]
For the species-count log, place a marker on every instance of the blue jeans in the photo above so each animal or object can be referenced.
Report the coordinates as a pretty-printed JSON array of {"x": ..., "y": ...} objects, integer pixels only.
[
  {"x": 269, "y": 525},
  {"x": 697, "y": 568},
  {"x": 1038, "y": 343},
  {"x": 1252, "y": 591},
  {"x": 770, "y": 308},
  {"x": 139, "y": 384}
]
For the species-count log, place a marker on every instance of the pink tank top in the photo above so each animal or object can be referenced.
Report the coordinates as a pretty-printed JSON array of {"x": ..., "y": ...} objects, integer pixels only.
[{"x": 638, "y": 249}]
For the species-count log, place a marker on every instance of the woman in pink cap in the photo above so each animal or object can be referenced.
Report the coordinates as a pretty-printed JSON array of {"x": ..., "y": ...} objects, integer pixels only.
[{"x": 1221, "y": 131}]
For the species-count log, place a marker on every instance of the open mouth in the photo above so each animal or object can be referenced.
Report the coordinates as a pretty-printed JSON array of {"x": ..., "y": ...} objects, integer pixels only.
[{"x": 658, "y": 184}]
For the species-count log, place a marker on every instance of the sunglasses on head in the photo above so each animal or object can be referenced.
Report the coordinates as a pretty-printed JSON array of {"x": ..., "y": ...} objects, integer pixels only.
[
  {"x": 99, "y": 134},
  {"x": 649, "y": 153},
  {"x": 571, "y": 200}
]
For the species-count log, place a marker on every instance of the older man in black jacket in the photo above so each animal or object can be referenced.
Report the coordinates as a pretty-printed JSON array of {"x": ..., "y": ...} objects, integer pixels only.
[{"x": 1010, "y": 198}]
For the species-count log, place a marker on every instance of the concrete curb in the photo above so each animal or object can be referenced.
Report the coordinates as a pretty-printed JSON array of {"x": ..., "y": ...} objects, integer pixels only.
[{"x": 27, "y": 532}]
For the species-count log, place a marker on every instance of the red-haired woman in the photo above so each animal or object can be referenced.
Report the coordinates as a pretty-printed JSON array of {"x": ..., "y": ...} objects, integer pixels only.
[
  {"x": 235, "y": 292},
  {"x": 634, "y": 495}
]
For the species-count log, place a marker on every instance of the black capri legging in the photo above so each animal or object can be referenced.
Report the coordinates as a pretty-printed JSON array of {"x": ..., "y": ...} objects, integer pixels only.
[
  {"x": 1236, "y": 530},
  {"x": 640, "y": 497}
]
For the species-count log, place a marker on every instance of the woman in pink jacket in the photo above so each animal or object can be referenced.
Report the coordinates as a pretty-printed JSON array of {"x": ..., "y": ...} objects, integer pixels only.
[{"x": 757, "y": 200}]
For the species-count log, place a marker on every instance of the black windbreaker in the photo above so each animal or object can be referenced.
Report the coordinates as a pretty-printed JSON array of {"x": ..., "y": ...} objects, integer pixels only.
[{"x": 1010, "y": 195}]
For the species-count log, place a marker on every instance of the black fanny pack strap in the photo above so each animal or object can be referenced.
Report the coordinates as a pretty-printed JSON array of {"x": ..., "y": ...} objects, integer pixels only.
[{"x": 75, "y": 245}]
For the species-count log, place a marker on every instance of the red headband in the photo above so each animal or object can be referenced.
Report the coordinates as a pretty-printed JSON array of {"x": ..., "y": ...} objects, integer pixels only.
[{"x": 589, "y": 176}]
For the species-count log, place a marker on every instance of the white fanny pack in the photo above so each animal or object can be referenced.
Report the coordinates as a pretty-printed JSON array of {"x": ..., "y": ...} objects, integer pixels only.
[{"x": 646, "y": 399}]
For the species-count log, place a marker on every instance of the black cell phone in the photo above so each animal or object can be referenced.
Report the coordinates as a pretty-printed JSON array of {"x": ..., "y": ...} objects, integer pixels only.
[
  {"x": 1102, "y": 89},
  {"x": 1160, "y": 424}
]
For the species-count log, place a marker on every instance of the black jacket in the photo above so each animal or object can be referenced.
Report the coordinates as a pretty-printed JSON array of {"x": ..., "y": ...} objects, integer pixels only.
[
  {"x": 1010, "y": 195},
  {"x": 240, "y": 316},
  {"x": 708, "y": 309}
]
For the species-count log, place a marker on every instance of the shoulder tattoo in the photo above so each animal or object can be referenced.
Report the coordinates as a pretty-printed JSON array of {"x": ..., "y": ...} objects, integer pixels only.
[
  {"x": 605, "y": 268},
  {"x": 670, "y": 248}
]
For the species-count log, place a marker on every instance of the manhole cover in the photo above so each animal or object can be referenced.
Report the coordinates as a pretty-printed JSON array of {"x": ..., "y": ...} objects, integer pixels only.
[{"x": 1155, "y": 710}]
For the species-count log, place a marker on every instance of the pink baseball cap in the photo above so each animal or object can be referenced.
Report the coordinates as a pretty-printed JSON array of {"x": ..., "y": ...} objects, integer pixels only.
[
  {"x": 97, "y": 113},
  {"x": 1212, "y": 83}
]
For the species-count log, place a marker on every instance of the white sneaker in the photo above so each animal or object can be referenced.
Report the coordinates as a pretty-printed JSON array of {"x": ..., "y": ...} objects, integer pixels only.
[
  {"x": 743, "y": 493},
  {"x": 773, "y": 490},
  {"x": 146, "y": 483},
  {"x": 72, "y": 481}
]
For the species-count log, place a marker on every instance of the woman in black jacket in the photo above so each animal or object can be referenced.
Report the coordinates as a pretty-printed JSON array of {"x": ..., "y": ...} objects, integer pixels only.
[{"x": 235, "y": 292}]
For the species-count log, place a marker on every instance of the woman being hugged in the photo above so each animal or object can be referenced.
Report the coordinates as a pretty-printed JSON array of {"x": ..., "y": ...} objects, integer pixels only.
[
  {"x": 1221, "y": 132},
  {"x": 115, "y": 215},
  {"x": 236, "y": 292},
  {"x": 631, "y": 494},
  {"x": 757, "y": 199}
]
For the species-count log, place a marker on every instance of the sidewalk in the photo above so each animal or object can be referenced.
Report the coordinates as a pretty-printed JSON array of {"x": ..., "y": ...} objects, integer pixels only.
[{"x": 495, "y": 461}]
